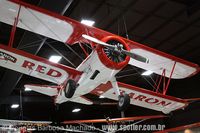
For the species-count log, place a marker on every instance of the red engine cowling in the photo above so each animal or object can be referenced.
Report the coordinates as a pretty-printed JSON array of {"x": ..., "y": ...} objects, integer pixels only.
[{"x": 110, "y": 58}]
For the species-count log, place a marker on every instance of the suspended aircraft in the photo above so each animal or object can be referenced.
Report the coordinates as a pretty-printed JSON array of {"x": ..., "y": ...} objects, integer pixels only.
[{"x": 96, "y": 74}]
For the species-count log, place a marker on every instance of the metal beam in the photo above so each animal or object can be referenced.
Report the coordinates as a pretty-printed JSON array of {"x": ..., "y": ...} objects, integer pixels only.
[
  {"x": 121, "y": 14},
  {"x": 146, "y": 16},
  {"x": 186, "y": 26},
  {"x": 162, "y": 25}
]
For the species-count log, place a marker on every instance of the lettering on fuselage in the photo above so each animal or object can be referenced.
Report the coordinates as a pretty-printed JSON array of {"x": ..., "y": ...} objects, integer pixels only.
[{"x": 41, "y": 69}]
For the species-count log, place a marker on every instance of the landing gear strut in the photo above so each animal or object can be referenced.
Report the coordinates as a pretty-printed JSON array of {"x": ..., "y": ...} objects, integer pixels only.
[
  {"x": 123, "y": 99},
  {"x": 70, "y": 88}
]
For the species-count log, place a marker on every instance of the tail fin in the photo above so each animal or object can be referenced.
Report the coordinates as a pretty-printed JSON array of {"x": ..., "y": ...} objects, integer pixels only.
[{"x": 44, "y": 89}]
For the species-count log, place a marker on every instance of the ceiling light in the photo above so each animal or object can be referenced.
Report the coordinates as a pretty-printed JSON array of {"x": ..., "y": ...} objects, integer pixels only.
[
  {"x": 87, "y": 22},
  {"x": 27, "y": 89},
  {"x": 14, "y": 106},
  {"x": 188, "y": 131},
  {"x": 76, "y": 110},
  {"x": 147, "y": 73},
  {"x": 101, "y": 96},
  {"x": 55, "y": 58}
]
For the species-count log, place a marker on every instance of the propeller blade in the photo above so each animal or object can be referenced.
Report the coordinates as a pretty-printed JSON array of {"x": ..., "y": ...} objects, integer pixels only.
[
  {"x": 136, "y": 56},
  {"x": 132, "y": 55},
  {"x": 97, "y": 41}
]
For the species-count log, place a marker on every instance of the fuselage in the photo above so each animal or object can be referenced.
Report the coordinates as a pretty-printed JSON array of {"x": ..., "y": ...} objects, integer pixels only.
[
  {"x": 98, "y": 68},
  {"x": 94, "y": 74}
]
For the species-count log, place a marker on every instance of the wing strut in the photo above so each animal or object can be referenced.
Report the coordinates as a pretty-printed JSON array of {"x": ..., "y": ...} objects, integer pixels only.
[
  {"x": 165, "y": 86},
  {"x": 14, "y": 28}
]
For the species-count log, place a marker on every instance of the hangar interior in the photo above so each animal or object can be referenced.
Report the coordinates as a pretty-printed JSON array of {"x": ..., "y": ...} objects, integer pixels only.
[{"x": 171, "y": 26}]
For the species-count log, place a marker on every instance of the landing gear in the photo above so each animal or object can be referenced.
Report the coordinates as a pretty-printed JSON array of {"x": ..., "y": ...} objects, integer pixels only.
[
  {"x": 70, "y": 88},
  {"x": 124, "y": 102},
  {"x": 124, "y": 99}
]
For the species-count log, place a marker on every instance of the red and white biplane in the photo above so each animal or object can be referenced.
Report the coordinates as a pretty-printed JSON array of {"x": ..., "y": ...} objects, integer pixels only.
[{"x": 96, "y": 74}]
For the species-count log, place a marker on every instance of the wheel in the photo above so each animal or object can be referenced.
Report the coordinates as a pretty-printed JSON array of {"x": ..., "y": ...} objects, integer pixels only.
[
  {"x": 124, "y": 102},
  {"x": 70, "y": 88}
]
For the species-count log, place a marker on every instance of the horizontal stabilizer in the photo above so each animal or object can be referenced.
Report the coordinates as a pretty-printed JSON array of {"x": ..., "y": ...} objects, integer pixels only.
[
  {"x": 82, "y": 100},
  {"x": 44, "y": 89}
]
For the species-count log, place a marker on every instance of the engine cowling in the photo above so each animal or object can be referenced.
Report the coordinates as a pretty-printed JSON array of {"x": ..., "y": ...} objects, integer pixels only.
[{"x": 111, "y": 58}]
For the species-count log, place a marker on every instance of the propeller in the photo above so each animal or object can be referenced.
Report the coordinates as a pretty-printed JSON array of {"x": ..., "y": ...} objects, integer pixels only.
[{"x": 117, "y": 48}]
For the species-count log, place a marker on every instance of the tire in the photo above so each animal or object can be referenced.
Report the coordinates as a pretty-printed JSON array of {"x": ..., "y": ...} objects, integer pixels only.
[
  {"x": 70, "y": 88},
  {"x": 124, "y": 102}
]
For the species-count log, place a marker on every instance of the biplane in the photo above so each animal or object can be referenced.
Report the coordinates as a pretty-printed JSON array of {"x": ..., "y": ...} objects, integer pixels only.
[{"x": 96, "y": 74}]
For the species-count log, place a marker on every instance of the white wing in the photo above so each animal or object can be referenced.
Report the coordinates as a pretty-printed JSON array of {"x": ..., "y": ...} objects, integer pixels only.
[{"x": 35, "y": 21}]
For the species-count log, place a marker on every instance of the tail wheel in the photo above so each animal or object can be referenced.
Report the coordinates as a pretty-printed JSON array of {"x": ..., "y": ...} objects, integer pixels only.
[
  {"x": 124, "y": 102},
  {"x": 70, "y": 88}
]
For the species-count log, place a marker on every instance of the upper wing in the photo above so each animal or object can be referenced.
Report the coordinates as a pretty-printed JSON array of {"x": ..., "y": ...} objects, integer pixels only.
[
  {"x": 35, "y": 66},
  {"x": 159, "y": 61},
  {"x": 142, "y": 97},
  {"x": 69, "y": 31},
  {"x": 35, "y": 21}
]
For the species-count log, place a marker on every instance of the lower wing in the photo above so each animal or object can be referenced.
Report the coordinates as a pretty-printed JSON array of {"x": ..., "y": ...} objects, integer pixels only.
[
  {"x": 142, "y": 97},
  {"x": 35, "y": 66}
]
